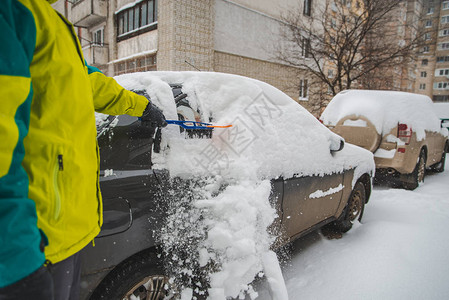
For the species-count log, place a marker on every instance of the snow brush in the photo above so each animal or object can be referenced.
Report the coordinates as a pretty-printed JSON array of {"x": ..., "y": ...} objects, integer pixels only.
[{"x": 196, "y": 125}]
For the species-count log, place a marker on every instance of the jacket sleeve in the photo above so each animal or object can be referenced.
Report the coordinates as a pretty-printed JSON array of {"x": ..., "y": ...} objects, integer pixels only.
[
  {"x": 20, "y": 239},
  {"x": 111, "y": 98}
]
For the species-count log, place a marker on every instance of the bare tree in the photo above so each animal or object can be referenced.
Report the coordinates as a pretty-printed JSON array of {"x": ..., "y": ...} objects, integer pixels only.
[{"x": 348, "y": 44}]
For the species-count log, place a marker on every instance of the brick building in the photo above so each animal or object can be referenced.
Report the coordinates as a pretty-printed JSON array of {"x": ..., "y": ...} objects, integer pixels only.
[
  {"x": 433, "y": 57},
  {"x": 238, "y": 37}
]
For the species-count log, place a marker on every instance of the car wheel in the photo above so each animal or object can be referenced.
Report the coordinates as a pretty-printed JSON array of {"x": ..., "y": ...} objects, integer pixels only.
[
  {"x": 418, "y": 174},
  {"x": 140, "y": 277},
  {"x": 439, "y": 167},
  {"x": 353, "y": 210}
]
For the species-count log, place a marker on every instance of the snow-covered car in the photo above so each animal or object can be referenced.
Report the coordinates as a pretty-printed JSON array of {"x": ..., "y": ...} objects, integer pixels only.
[
  {"x": 401, "y": 129},
  {"x": 258, "y": 172}
]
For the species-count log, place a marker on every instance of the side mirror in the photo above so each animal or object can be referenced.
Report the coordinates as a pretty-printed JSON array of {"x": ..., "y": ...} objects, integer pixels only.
[
  {"x": 337, "y": 147},
  {"x": 444, "y": 123}
]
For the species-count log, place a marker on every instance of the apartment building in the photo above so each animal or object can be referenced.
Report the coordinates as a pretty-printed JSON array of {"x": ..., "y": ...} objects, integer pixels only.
[
  {"x": 433, "y": 57},
  {"x": 399, "y": 28},
  {"x": 408, "y": 15},
  {"x": 238, "y": 37}
]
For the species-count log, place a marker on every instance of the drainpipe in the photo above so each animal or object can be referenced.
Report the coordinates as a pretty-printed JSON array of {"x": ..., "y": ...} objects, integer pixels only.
[{"x": 66, "y": 9}]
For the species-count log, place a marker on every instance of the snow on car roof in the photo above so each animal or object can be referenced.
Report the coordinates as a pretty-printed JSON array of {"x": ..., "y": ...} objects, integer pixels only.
[
  {"x": 385, "y": 109},
  {"x": 271, "y": 132},
  {"x": 442, "y": 110}
]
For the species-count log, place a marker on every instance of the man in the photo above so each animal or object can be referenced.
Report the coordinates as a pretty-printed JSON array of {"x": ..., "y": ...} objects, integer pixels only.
[{"x": 49, "y": 192}]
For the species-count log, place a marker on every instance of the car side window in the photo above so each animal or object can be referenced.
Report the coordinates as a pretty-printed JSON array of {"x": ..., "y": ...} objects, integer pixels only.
[{"x": 125, "y": 144}]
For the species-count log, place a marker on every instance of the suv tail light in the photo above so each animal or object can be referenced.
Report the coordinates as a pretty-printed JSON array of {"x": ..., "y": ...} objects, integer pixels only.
[{"x": 404, "y": 133}]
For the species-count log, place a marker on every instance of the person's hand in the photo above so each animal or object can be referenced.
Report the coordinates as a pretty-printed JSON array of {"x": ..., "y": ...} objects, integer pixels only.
[{"x": 154, "y": 116}]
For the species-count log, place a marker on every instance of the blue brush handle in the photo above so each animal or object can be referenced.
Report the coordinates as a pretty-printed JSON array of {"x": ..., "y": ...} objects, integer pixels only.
[{"x": 196, "y": 125}]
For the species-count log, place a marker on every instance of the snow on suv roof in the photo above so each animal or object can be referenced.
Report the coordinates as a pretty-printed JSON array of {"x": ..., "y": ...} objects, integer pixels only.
[
  {"x": 385, "y": 109},
  {"x": 442, "y": 110},
  {"x": 280, "y": 137}
]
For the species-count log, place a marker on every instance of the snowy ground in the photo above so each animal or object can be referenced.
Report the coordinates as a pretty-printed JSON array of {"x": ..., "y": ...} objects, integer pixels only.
[{"x": 400, "y": 251}]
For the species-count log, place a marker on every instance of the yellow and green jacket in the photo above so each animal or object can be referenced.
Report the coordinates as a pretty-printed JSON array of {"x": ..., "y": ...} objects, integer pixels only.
[{"x": 48, "y": 152}]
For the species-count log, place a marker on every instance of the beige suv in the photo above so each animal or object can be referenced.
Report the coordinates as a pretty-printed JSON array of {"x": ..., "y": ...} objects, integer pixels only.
[{"x": 401, "y": 129}]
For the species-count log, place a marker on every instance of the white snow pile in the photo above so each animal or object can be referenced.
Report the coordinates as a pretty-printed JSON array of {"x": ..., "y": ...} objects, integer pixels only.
[
  {"x": 442, "y": 110},
  {"x": 226, "y": 214},
  {"x": 385, "y": 109},
  {"x": 126, "y": 6},
  {"x": 399, "y": 251},
  {"x": 320, "y": 193},
  {"x": 100, "y": 119}
]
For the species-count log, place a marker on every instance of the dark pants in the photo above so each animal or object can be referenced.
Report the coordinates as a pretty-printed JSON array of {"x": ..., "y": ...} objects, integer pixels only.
[
  {"x": 60, "y": 281},
  {"x": 66, "y": 278},
  {"x": 37, "y": 286}
]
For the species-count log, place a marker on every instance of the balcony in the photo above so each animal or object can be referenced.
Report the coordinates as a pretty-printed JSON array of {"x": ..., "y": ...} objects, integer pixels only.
[
  {"x": 87, "y": 13},
  {"x": 96, "y": 55}
]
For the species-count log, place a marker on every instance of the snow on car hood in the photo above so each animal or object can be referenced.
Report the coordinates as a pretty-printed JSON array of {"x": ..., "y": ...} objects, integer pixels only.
[
  {"x": 272, "y": 134},
  {"x": 385, "y": 109}
]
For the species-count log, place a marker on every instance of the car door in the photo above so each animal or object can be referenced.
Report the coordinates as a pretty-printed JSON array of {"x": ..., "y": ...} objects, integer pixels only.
[
  {"x": 438, "y": 142},
  {"x": 131, "y": 194},
  {"x": 310, "y": 200}
]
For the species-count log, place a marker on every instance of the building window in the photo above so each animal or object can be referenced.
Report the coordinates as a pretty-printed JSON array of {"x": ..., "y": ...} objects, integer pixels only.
[
  {"x": 445, "y": 5},
  {"x": 305, "y": 49},
  {"x": 425, "y": 49},
  {"x": 443, "y": 46},
  {"x": 422, "y": 86},
  {"x": 444, "y": 32},
  {"x": 427, "y": 36},
  {"x": 307, "y": 7},
  {"x": 139, "y": 64},
  {"x": 303, "y": 90},
  {"x": 346, "y": 2},
  {"x": 424, "y": 62},
  {"x": 423, "y": 74},
  {"x": 444, "y": 19},
  {"x": 429, "y": 23},
  {"x": 430, "y": 10},
  {"x": 98, "y": 37},
  {"x": 143, "y": 15},
  {"x": 333, "y": 23},
  {"x": 441, "y": 72},
  {"x": 330, "y": 73},
  {"x": 441, "y": 98},
  {"x": 120, "y": 68},
  {"x": 441, "y": 85},
  {"x": 441, "y": 59},
  {"x": 334, "y": 6}
]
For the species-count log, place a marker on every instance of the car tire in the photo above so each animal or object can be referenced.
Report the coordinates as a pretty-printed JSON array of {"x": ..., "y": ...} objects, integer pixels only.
[
  {"x": 439, "y": 167},
  {"x": 353, "y": 210},
  {"x": 142, "y": 275},
  {"x": 418, "y": 174}
]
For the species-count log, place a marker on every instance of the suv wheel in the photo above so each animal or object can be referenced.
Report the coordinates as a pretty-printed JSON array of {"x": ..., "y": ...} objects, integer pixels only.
[
  {"x": 353, "y": 210},
  {"x": 139, "y": 277},
  {"x": 418, "y": 174}
]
